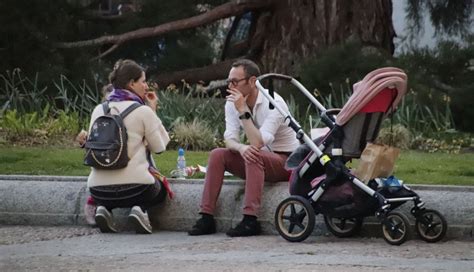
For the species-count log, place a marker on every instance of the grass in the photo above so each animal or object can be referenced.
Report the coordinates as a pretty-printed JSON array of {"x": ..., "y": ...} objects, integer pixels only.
[
  {"x": 436, "y": 168},
  {"x": 412, "y": 167},
  {"x": 68, "y": 161}
]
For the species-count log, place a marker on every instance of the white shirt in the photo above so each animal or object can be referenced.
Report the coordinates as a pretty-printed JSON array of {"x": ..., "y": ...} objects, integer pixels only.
[{"x": 276, "y": 135}]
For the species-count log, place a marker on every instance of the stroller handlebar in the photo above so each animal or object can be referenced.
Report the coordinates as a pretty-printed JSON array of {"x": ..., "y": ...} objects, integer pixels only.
[
  {"x": 296, "y": 83},
  {"x": 274, "y": 75}
]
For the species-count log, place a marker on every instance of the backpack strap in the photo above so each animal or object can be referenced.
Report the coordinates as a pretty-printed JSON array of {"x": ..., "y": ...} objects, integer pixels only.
[
  {"x": 105, "y": 107},
  {"x": 128, "y": 110}
]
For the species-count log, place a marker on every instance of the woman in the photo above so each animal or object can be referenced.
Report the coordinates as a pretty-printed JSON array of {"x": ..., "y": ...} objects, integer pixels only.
[{"x": 138, "y": 185}]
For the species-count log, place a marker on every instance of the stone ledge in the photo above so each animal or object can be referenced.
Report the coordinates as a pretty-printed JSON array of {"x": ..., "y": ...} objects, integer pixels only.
[{"x": 53, "y": 200}]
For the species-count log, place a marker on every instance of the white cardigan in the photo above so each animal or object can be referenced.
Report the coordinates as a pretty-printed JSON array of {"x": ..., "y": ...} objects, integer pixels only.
[{"x": 144, "y": 129}]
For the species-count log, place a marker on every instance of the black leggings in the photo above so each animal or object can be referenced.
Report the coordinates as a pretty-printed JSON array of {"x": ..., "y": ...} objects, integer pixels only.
[{"x": 128, "y": 195}]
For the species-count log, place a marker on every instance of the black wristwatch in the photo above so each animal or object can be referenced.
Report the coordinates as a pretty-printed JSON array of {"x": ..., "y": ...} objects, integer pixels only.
[{"x": 245, "y": 115}]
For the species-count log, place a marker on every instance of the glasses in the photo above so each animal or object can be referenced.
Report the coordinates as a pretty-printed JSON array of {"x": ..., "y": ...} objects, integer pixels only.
[{"x": 235, "y": 81}]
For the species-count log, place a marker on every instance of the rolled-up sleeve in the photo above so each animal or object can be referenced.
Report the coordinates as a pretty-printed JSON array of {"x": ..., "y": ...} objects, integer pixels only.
[
  {"x": 232, "y": 124},
  {"x": 273, "y": 120}
]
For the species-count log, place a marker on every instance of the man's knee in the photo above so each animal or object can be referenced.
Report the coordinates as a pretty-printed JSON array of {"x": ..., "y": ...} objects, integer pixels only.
[{"x": 218, "y": 153}]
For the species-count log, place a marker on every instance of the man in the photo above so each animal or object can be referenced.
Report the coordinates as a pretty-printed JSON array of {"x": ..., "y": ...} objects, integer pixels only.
[{"x": 263, "y": 159}]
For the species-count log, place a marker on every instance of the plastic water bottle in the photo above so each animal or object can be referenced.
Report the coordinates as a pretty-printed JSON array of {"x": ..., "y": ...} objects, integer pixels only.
[{"x": 181, "y": 165}]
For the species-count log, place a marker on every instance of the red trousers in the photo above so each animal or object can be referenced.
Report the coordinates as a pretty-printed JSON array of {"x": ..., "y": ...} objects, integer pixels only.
[{"x": 270, "y": 167}]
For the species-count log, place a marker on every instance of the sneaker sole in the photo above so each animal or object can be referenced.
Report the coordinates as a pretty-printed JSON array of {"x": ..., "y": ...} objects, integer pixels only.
[
  {"x": 103, "y": 224},
  {"x": 137, "y": 224}
]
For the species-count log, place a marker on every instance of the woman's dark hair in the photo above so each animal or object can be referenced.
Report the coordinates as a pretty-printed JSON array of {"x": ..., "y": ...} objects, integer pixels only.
[{"x": 124, "y": 71}]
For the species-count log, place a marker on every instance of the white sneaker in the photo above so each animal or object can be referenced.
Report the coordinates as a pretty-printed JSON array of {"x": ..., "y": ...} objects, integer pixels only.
[
  {"x": 140, "y": 220},
  {"x": 89, "y": 214},
  {"x": 105, "y": 220}
]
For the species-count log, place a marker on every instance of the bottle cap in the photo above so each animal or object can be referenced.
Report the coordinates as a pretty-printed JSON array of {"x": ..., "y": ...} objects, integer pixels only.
[{"x": 180, "y": 152}]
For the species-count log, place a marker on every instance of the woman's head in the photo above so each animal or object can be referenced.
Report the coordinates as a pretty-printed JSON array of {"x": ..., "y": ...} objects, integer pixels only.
[{"x": 127, "y": 74}]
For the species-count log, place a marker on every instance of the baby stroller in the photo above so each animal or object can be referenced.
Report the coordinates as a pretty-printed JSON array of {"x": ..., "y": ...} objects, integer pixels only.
[{"x": 321, "y": 183}]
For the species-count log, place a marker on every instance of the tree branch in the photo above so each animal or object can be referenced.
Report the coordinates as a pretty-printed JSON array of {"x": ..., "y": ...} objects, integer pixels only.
[
  {"x": 223, "y": 11},
  {"x": 208, "y": 73},
  {"x": 108, "y": 51}
]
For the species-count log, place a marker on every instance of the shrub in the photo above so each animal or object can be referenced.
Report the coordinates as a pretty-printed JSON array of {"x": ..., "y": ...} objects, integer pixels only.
[
  {"x": 195, "y": 135},
  {"x": 38, "y": 128},
  {"x": 190, "y": 103},
  {"x": 452, "y": 142},
  {"x": 397, "y": 136}
]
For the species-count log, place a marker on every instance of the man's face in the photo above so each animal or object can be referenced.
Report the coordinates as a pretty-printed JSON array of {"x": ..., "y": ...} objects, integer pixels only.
[{"x": 237, "y": 79}]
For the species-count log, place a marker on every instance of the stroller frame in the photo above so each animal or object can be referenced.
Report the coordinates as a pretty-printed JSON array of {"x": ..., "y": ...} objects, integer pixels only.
[{"x": 395, "y": 225}]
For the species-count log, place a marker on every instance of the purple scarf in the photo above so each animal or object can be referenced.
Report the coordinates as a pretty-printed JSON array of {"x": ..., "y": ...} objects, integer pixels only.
[{"x": 124, "y": 95}]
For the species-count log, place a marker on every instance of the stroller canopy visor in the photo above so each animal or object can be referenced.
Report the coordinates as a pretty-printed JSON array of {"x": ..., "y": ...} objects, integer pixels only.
[{"x": 375, "y": 88}]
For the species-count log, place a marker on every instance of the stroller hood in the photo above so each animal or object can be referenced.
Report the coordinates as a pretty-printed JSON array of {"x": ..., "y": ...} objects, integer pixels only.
[{"x": 369, "y": 87}]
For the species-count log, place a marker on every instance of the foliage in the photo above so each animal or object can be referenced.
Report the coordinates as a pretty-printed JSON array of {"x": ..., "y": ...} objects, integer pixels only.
[
  {"x": 30, "y": 35},
  {"x": 451, "y": 17},
  {"x": 24, "y": 95},
  {"x": 446, "y": 143},
  {"x": 441, "y": 76},
  {"x": 348, "y": 62},
  {"x": 308, "y": 115},
  {"x": 20, "y": 93},
  {"x": 80, "y": 98},
  {"x": 397, "y": 135},
  {"x": 190, "y": 103},
  {"x": 195, "y": 135},
  {"x": 38, "y": 128},
  {"x": 439, "y": 81},
  {"x": 422, "y": 119}
]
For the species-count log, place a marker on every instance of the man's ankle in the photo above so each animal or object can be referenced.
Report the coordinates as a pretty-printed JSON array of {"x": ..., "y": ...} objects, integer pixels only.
[
  {"x": 249, "y": 218},
  {"x": 207, "y": 216}
]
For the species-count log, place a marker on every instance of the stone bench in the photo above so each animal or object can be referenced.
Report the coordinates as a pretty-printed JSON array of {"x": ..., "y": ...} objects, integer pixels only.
[{"x": 53, "y": 200}]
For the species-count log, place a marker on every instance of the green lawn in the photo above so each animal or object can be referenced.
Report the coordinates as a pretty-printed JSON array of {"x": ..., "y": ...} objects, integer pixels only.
[
  {"x": 68, "y": 161},
  {"x": 412, "y": 167}
]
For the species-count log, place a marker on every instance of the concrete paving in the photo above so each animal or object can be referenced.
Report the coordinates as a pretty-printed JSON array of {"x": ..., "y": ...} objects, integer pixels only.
[{"x": 78, "y": 248}]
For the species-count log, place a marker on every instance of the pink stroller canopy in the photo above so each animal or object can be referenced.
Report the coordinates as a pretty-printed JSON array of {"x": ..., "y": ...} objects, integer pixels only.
[{"x": 374, "y": 88}]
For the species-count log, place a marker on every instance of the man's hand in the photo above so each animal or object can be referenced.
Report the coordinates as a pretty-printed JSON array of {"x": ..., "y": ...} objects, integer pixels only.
[
  {"x": 236, "y": 97},
  {"x": 250, "y": 153}
]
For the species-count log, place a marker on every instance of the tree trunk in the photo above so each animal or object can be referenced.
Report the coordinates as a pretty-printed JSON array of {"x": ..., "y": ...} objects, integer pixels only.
[{"x": 298, "y": 29}]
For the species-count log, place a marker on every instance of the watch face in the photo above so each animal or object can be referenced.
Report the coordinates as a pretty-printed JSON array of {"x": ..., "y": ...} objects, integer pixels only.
[{"x": 245, "y": 115}]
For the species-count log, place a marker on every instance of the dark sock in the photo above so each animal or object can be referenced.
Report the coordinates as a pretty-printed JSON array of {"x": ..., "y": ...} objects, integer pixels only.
[
  {"x": 207, "y": 216},
  {"x": 249, "y": 218}
]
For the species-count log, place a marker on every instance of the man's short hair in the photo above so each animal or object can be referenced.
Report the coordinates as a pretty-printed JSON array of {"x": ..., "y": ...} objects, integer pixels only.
[{"x": 250, "y": 67}]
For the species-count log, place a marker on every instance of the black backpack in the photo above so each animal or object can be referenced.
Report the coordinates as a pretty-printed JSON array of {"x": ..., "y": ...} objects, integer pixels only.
[{"x": 106, "y": 145}]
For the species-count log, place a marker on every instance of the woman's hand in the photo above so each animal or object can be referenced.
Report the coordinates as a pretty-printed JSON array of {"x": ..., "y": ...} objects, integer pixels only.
[
  {"x": 81, "y": 138},
  {"x": 151, "y": 99}
]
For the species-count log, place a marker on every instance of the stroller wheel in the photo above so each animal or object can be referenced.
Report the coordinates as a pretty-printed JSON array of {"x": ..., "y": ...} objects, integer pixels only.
[
  {"x": 431, "y": 225},
  {"x": 294, "y": 218},
  {"x": 343, "y": 227},
  {"x": 395, "y": 228}
]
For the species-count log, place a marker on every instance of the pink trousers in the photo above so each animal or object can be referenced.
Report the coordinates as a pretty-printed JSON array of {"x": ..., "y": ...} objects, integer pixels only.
[{"x": 270, "y": 167}]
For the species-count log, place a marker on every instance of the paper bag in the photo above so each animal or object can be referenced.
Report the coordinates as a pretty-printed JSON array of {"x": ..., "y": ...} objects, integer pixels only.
[{"x": 376, "y": 161}]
